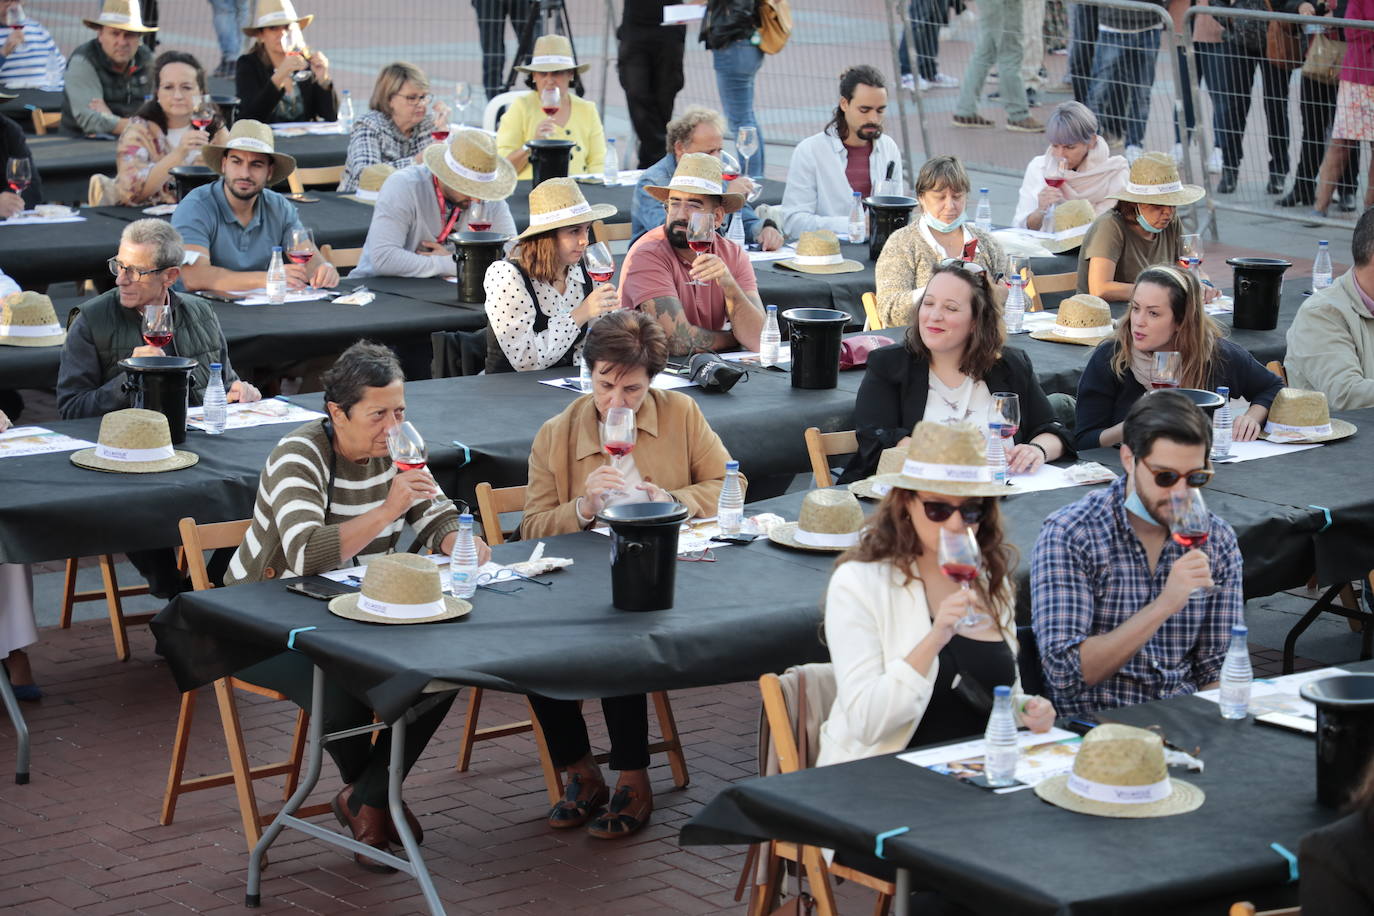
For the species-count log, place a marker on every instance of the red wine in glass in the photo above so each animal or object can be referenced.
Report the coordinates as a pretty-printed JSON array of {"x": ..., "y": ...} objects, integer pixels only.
[
  {"x": 409, "y": 465},
  {"x": 1005, "y": 430},
  {"x": 18, "y": 186},
  {"x": 1055, "y": 182},
  {"x": 618, "y": 449},
  {"x": 600, "y": 276},
  {"x": 200, "y": 123},
  {"x": 479, "y": 227},
  {"x": 299, "y": 256},
  {"x": 703, "y": 247},
  {"x": 1162, "y": 383},
  {"x": 549, "y": 110},
  {"x": 1190, "y": 539},
  {"x": 963, "y": 573},
  {"x": 729, "y": 176},
  {"x": 159, "y": 339},
  {"x": 439, "y": 136}
]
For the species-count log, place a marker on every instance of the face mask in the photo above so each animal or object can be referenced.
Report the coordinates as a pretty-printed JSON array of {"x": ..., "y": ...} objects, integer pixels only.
[
  {"x": 938, "y": 226},
  {"x": 1136, "y": 506},
  {"x": 1146, "y": 226}
]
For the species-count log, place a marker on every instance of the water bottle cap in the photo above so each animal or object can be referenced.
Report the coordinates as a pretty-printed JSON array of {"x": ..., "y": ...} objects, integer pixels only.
[
  {"x": 346, "y": 92},
  {"x": 857, "y": 194},
  {"x": 611, "y": 140},
  {"x": 1002, "y": 690},
  {"x": 1322, "y": 243},
  {"x": 1239, "y": 629},
  {"x": 215, "y": 367},
  {"x": 731, "y": 466},
  {"x": 465, "y": 518},
  {"x": 982, "y": 190},
  {"x": 276, "y": 248},
  {"x": 771, "y": 308},
  {"x": 1224, "y": 391}
]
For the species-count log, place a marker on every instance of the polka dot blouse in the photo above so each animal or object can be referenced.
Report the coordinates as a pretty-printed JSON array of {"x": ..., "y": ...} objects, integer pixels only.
[{"x": 511, "y": 315}]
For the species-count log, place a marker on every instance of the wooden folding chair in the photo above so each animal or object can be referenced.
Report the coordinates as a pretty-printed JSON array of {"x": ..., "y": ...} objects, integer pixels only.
[
  {"x": 196, "y": 539},
  {"x": 820, "y": 446},
  {"x": 1246, "y": 908},
  {"x": 874, "y": 320},
  {"x": 112, "y": 593},
  {"x": 491, "y": 502},
  {"x": 1044, "y": 284},
  {"x": 42, "y": 120},
  {"x": 603, "y": 231},
  {"x": 341, "y": 258},
  {"x": 321, "y": 176},
  {"x": 1276, "y": 367}
]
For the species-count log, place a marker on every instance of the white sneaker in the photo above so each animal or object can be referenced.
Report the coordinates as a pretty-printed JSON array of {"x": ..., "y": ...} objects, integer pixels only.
[
  {"x": 923, "y": 83},
  {"x": 909, "y": 82},
  {"x": 1214, "y": 161},
  {"x": 1178, "y": 154},
  {"x": 1134, "y": 152},
  {"x": 945, "y": 81}
]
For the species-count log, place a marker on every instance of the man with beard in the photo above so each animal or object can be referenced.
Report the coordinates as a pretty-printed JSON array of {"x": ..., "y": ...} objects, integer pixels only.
[
  {"x": 109, "y": 76},
  {"x": 704, "y": 301},
  {"x": 850, "y": 155},
  {"x": 1123, "y": 614},
  {"x": 231, "y": 226}
]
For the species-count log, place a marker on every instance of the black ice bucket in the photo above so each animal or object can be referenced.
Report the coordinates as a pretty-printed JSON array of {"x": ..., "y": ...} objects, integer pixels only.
[
  {"x": 549, "y": 159},
  {"x": 160, "y": 383},
  {"x": 474, "y": 252},
  {"x": 1258, "y": 289},
  {"x": 815, "y": 340},
  {"x": 1345, "y": 733},
  {"x": 643, "y": 553},
  {"x": 228, "y": 108},
  {"x": 190, "y": 177},
  {"x": 890, "y": 213}
]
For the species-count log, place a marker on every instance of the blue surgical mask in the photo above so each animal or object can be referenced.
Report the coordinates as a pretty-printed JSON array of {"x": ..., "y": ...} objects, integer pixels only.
[
  {"x": 1144, "y": 224},
  {"x": 938, "y": 226},
  {"x": 1136, "y": 506}
]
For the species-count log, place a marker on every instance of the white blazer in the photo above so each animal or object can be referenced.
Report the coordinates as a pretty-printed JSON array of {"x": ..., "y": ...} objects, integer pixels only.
[{"x": 818, "y": 195}]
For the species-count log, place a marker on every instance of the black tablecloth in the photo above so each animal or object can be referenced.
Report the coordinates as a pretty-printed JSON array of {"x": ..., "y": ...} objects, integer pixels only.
[
  {"x": 336, "y": 219},
  {"x": 1016, "y": 854},
  {"x": 18, "y": 107},
  {"x": 40, "y": 254}
]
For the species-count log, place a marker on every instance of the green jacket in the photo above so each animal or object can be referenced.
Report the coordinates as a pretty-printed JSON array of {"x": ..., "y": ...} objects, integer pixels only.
[{"x": 91, "y": 74}]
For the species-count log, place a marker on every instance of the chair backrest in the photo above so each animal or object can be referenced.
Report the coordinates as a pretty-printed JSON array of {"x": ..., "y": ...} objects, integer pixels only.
[
  {"x": 196, "y": 539},
  {"x": 1276, "y": 367},
  {"x": 42, "y": 120},
  {"x": 341, "y": 257},
  {"x": 1048, "y": 290},
  {"x": 820, "y": 446},
  {"x": 458, "y": 353},
  {"x": 491, "y": 502},
  {"x": 1246, "y": 908},
  {"x": 491, "y": 115},
  {"x": 603, "y": 231},
  {"x": 874, "y": 321},
  {"x": 1028, "y": 661},
  {"x": 324, "y": 175},
  {"x": 101, "y": 191},
  {"x": 778, "y": 727}
]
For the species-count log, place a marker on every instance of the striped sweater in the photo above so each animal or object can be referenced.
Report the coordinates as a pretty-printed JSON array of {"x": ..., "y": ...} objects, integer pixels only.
[{"x": 291, "y": 534}]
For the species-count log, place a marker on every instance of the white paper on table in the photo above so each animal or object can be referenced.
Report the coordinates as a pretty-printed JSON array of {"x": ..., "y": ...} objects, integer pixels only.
[
  {"x": 30, "y": 218},
  {"x": 1023, "y": 243},
  {"x": 1249, "y": 451},
  {"x": 664, "y": 381},
  {"x": 786, "y": 251},
  {"x": 1279, "y": 694},
  {"x": 1045, "y": 477},
  {"x": 36, "y": 440},
  {"x": 259, "y": 413},
  {"x": 1222, "y": 305},
  {"x": 693, "y": 536},
  {"x": 299, "y": 128},
  {"x": 259, "y": 296},
  {"x": 1042, "y": 756},
  {"x": 750, "y": 358}
]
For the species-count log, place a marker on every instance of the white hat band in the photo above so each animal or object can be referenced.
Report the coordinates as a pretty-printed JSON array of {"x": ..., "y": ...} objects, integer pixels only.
[
  {"x": 463, "y": 171},
  {"x": 820, "y": 539},
  {"x": 553, "y": 60},
  {"x": 115, "y": 18},
  {"x": 553, "y": 216},
  {"x": 1101, "y": 330},
  {"x": 1301, "y": 432},
  {"x": 1119, "y": 795},
  {"x": 30, "y": 330},
  {"x": 697, "y": 184},
  {"x": 251, "y": 145},
  {"x": 401, "y": 611},
  {"x": 364, "y": 194},
  {"x": 818, "y": 260},
  {"x": 110, "y": 453},
  {"x": 1070, "y": 233},
  {"x": 1168, "y": 188},
  {"x": 966, "y": 473}
]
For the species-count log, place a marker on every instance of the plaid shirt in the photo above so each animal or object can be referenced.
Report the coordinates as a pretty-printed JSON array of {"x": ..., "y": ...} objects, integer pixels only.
[
  {"x": 375, "y": 139},
  {"x": 1090, "y": 574}
]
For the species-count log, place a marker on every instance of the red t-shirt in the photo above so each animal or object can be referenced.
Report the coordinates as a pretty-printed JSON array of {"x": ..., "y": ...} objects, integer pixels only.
[
  {"x": 652, "y": 270},
  {"x": 856, "y": 168}
]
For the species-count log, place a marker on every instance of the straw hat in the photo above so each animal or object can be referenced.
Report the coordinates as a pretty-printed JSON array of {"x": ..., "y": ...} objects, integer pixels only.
[
  {"x": 1072, "y": 219},
  {"x": 469, "y": 165},
  {"x": 889, "y": 462},
  {"x": 1119, "y": 771},
  {"x": 558, "y": 202},
  {"x": 552, "y": 54},
  {"x": 698, "y": 173},
  {"x": 134, "y": 441},
  {"x": 400, "y": 588},
  {"x": 1298, "y": 416},
  {"x": 28, "y": 320},
  {"x": 1081, "y": 319},
  {"x": 829, "y": 522},
  {"x": 249, "y": 136},
  {"x": 1154, "y": 180},
  {"x": 949, "y": 458},
  {"x": 125, "y": 15},
  {"x": 370, "y": 182},
  {"x": 275, "y": 12},
  {"x": 819, "y": 253}
]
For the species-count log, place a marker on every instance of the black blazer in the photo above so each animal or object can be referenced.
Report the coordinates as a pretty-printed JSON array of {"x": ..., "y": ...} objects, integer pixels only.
[
  {"x": 1334, "y": 861},
  {"x": 892, "y": 399},
  {"x": 258, "y": 96}
]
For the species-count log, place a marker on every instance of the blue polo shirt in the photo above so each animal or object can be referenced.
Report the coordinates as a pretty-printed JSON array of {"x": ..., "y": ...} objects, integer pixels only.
[{"x": 204, "y": 218}]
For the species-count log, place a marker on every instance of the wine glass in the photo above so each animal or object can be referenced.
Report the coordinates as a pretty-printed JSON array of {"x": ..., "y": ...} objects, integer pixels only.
[
  {"x": 1168, "y": 367},
  {"x": 19, "y": 174},
  {"x": 439, "y": 132},
  {"x": 1004, "y": 417},
  {"x": 961, "y": 560},
  {"x": 729, "y": 166},
  {"x": 479, "y": 216},
  {"x": 462, "y": 98},
  {"x": 406, "y": 446},
  {"x": 300, "y": 246},
  {"x": 1189, "y": 521},
  {"x": 747, "y": 144},
  {"x": 14, "y": 17},
  {"x": 549, "y": 100},
  {"x": 600, "y": 264},
  {"x": 701, "y": 236},
  {"x": 157, "y": 325},
  {"x": 1057, "y": 172},
  {"x": 618, "y": 435},
  {"x": 293, "y": 42},
  {"x": 1190, "y": 252},
  {"x": 203, "y": 111}
]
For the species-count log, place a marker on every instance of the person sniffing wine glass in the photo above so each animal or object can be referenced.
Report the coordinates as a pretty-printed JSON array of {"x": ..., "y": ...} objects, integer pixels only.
[
  {"x": 406, "y": 447},
  {"x": 1189, "y": 522},
  {"x": 479, "y": 215},
  {"x": 961, "y": 561},
  {"x": 617, "y": 441},
  {"x": 701, "y": 236},
  {"x": 157, "y": 327}
]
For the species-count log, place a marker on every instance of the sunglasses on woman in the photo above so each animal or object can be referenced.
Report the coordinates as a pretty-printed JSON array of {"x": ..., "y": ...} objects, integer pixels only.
[
  {"x": 938, "y": 512},
  {"x": 1194, "y": 478}
]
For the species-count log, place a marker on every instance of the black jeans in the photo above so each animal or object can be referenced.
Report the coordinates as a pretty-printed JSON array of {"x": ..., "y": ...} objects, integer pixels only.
[
  {"x": 1082, "y": 43},
  {"x": 1318, "y": 107},
  {"x": 926, "y": 18},
  {"x": 1239, "y": 77},
  {"x": 491, "y": 32},
  {"x": 565, "y": 730},
  {"x": 651, "y": 74}
]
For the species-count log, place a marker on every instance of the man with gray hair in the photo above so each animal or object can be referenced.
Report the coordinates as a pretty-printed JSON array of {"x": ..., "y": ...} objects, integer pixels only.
[{"x": 109, "y": 328}]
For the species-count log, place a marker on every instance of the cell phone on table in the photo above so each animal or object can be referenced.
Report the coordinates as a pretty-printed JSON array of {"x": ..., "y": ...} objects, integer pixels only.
[
  {"x": 319, "y": 588},
  {"x": 970, "y": 249}
]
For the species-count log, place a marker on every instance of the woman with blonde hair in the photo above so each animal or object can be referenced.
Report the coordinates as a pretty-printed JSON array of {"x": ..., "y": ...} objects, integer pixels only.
[
  {"x": 1166, "y": 314},
  {"x": 266, "y": 77},
  {"x": 397, "y": 126}
]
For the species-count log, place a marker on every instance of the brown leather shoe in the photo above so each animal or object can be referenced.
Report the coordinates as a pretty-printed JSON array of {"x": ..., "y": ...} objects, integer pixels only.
[
  {"x": 368, "y": 826},
  {"x": 412, "y": 822},
  {"x": 973, "y": 120}
]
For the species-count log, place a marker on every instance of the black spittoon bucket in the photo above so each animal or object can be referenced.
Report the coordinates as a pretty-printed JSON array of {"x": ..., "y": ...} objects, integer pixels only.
[
  {"x": 190, "y": 177},
  {"x": 549, "y": 159},
  {"x": 890, "y": 213},
  {"x": 643, "y": 553},
  {"x": 160, "y": 383},
  {"x": 228, "y": 108},
  {"x": 1258, "y": 289},
  {"x": 474, "y": 252},
  {"x": 815, "y": 341},
  {"x": 1345, "y": 733}
]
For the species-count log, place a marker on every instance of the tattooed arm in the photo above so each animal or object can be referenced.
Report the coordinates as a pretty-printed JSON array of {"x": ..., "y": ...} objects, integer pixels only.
[{"x": 684, "y": 337}]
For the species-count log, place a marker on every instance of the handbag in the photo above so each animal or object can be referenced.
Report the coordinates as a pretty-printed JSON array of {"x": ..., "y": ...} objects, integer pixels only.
[
  {"x": 1283, "y": 45},
  {"x": 854, "y": 350},
  {"x": 1324, "y": 58},
  {"x": 711, "y": 373}
]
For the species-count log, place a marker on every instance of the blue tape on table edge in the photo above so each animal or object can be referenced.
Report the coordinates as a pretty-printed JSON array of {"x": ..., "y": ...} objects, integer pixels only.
[
  {"x": 291, "y": 637},
  {"x": 1327, "y": 513},
  {"x": 1292, "y": 861},
  {"x": 887, "y": 835},
  {"x": 467, "y": 454}
]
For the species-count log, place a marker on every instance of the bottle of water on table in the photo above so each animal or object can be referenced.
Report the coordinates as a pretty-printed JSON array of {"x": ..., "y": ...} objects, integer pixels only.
[
  {"x": 730, "y": 508},
  {"x": 858, "y": 222},
  {"x": 276, "y": 278},
  {"x": 1015, "y": 310},
  {"x": 997, "y": 455},
  {"x": 1000, "y": 751},
  {"x": 215, "y": 404},
  {"x": 770, "y": 341},
  {"x": 346, "y": 114},
  {"x": 1236, "y": 676},
  {"x": 1221, "y": 425},
  {"x": 982, "y": 217},
  {"x": 462, "y": 564},
  {"x": 611, "y": 168},
  {"x": 1321, "y": 267}
]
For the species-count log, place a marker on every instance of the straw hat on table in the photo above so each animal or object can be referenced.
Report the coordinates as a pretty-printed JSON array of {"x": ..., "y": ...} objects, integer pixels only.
[
  {"x": 370, "y": 182},
  {"x": 1154, "y": 180},
  {"x": 400, "y": 588},
  {"x": 27, "y": 319},
  {"x": 557, "y": 203},
  {"x": 829, "y": 522},
  {"x": 818, "y": 252},
  {"x": 889, "y": 462},
  {"x": 1072, "y": 220},
  {"x": 134, "y": 441},
  {"x": 468, "y": 164},
  {"x": 552, "y": 54},
  {"x": 249, "y": 136},
  {"x": 948, "y": 458},
  {"x": 125, "y": 15},
  {"x": 275, "y": 12},
  {"x": 698, "y": 173},
  {"x": 1082, "y": 319},
  {"x": 1119, "y": 771},
  {"x": 1298, "y": 416}
]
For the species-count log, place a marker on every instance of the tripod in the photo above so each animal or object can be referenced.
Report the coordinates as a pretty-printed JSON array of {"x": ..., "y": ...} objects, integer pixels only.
[{"x": 544, "y": 17}]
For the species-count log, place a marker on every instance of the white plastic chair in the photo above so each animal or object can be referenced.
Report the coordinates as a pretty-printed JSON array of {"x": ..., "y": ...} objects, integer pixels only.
[{"x": 491, "y": 115}]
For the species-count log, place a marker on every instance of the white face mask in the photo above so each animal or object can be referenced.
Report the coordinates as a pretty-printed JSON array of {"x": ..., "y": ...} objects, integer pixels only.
[{"x": 938, "y": 226}]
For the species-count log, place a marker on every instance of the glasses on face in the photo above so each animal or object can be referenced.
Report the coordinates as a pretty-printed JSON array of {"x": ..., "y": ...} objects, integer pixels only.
[
  {"x": 938, "y": 512},
  {"x": 138, "y": 273},
  {"x": 1167, "y": 478},
  {"x": 415, "y": 98}
]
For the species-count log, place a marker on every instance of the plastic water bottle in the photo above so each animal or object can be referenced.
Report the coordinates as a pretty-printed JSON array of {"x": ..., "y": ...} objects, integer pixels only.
[
  {"x": 770, "y": 340},
  {"x": 216, "y": 406},
  {"x": 584, "y": 374},
  {"x": 1236, "y": 676},
  {"x": 997, "y": 456},
  {"x": 462, "y": 564},
  {"x": 730, "y": 508},
  {"x": 1321, "y": 267},
  {"x": 735, "y": 229},
  {"x": 611, "y": 168},
  {"x": 52, "y": 72},
  {"x": 1015, "y": 310},
  {"x": 1000, "y": 751},
  {"x": 1221, "y": 425},
  {"x": 276, "y": 278},
  {"x": 982, "y": 217},
  {"x": 346, "y": 112},
  {"x": 858, "y": 223}
]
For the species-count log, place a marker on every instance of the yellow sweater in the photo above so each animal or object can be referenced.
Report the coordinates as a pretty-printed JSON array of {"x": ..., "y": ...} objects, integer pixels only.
[{"x": 583, "y": 129}]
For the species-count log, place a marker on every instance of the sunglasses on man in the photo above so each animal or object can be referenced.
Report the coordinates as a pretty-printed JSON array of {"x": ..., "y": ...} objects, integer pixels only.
[{"x": 1197, "y": 477}]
